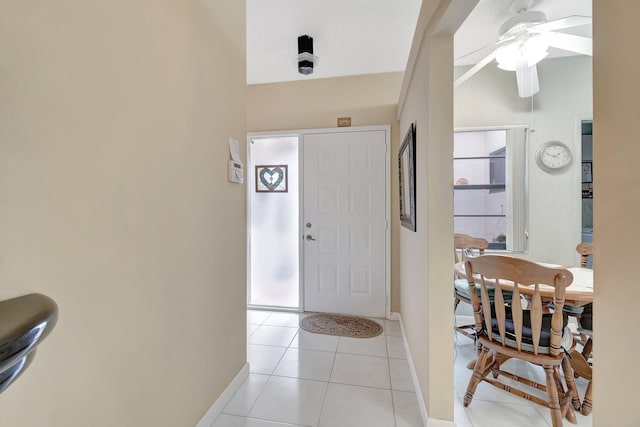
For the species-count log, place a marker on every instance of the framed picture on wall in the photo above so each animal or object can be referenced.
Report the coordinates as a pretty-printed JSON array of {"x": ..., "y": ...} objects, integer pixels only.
[
  {"x": 407, "y": 178},
  {"x": 587, "y": 172},
  {"x": 272, "y": 179}
]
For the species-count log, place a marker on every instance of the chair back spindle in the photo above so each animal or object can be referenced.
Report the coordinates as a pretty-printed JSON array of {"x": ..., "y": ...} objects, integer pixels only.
[{"x": 511, "y": 323}]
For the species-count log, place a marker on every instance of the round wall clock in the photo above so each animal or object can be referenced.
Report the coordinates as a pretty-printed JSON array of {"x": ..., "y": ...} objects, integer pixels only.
[{"x": 554, "y": 157}]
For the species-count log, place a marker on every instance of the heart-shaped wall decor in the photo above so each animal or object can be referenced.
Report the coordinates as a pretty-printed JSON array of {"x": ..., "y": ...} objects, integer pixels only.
[{"x": 271, "y": 178}]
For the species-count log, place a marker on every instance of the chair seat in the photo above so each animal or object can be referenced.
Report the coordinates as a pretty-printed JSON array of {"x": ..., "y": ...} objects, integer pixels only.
[
  {"x": 527, "y": 341},
  {"x": 462, "y": 289},
  {"x": 510, "y": 341},
  {"x": 586, "y": 320},
  {"x": 570, "y": 309}
]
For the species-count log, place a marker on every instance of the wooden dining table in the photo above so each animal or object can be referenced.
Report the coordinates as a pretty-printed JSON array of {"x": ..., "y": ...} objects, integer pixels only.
[{"x": 578, "y": 294}]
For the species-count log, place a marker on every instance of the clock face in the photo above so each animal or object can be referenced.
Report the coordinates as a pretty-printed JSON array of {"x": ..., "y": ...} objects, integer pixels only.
[{"x": 554, "y": 156}]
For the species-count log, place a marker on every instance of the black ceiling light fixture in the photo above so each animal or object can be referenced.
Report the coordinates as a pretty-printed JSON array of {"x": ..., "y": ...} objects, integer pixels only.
[{"x": 305, "y": 58}]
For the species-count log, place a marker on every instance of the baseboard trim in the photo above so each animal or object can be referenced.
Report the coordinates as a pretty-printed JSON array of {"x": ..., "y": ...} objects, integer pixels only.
[
  {"x": 412, "y": 370},
  {"x": 432, "y": 422},
  {"x": 212, "y": 413},
  {"x": 428, "y": 422}
]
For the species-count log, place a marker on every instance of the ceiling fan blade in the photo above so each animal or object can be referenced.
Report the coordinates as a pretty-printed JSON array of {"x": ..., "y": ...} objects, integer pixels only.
[
  {"x": 578, "y": 44},
  {"x": 527, "y": 79},
  {"x": 490, "y": 47},
  {"x": 480, "y": 65},
  {"x": 562, "y": 23}
]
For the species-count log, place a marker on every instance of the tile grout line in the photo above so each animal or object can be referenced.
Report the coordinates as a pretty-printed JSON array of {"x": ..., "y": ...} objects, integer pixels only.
[
  {"x": 326, "y": 391},
  {"x": 393, "y": 403}
]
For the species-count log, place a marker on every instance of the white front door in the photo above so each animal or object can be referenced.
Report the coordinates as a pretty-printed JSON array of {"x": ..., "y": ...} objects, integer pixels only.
[{"x": 345, "y": 222}]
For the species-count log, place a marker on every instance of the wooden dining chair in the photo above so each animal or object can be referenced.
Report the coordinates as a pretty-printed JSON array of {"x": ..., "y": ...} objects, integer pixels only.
[
  {"x": 585, "y": 250},
  {"x": 585, "y": 322},
  {"x": 508, "y": 331},
  {"x": 466, "y": 246},
  {"x": 583, "y": 367}
]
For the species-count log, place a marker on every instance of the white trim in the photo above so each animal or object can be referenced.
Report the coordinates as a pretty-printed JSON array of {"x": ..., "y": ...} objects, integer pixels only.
[
  {"x": 300, "y": 132},
  {"x": 248, "y": 221},
  {"x": 387, "y": 249},
  {"x": 427, "y": 422},
  {"x": 273, "y": 308},
  {"x": 212, "y": 413},
  {"x": 301, "y": 290},
  {"x": 250, "y": 185},
  {"x": 432, "y": 422},
  {"x": 494, "y": 127},
  {"x": 414, "y": 375}
]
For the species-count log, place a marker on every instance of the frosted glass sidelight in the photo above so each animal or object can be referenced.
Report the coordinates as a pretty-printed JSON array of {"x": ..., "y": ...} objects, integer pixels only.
[{"x": 274, "y": 271}]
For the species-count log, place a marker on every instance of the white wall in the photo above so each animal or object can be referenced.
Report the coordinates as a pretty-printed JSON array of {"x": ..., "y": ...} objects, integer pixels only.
[
  {"x": 490, "y": 98},
  {"x": 114, "y": 201}
]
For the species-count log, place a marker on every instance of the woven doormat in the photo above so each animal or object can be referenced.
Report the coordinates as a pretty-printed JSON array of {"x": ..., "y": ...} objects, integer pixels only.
[{"x": 341, "y": 325}]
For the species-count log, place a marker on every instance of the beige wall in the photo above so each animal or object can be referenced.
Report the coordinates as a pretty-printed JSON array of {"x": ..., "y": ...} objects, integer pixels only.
[
  {"x": 316, "y": 104},
  {"x": 114, "y": 201},
  {"x": 425, "y": 269},
  {"x": 424, "y": 310},
  {"x": 616, "y": 205}
]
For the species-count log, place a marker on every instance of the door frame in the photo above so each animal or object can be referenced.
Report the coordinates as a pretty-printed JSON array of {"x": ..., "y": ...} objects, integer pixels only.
[{"x": 300, "y": 135}]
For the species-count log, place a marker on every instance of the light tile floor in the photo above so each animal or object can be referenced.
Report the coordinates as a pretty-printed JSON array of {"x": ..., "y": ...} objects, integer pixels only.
[{"x": 302, "y": 379}]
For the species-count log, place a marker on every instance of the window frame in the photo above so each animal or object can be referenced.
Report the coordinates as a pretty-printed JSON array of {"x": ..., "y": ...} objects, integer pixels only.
[{"x": 516, "y": 186}]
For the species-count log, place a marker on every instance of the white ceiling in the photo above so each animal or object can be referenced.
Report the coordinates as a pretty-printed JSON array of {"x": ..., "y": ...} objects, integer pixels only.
[
  {"x": 366, "y": 36},
  {"x": 349, "y": 36}
]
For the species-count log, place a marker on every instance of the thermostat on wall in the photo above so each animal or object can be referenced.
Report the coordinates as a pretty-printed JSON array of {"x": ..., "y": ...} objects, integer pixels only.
[{"x": 236, "y": 173}]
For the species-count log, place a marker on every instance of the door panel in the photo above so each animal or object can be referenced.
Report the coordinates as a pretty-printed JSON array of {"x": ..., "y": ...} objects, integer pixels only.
[{"x": 345, "y": 220}]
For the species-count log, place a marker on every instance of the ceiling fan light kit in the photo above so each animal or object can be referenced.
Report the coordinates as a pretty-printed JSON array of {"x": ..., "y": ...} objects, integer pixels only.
[
  {"x": 524, "y": 41},
  {"x": 531, "y": 49}
]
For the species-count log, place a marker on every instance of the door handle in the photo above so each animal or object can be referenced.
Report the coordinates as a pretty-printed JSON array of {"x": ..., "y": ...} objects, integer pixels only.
[{"x": 310, "y": 237}]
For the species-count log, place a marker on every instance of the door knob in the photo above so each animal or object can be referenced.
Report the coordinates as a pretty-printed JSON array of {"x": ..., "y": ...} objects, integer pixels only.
[{"x": 310, "y": 237}]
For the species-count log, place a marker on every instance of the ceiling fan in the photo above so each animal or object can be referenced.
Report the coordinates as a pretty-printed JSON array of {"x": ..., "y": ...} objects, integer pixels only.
[{"x": 524, "y": 41}]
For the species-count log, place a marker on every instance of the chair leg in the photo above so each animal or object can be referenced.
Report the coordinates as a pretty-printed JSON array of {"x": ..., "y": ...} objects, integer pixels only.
[
  {"x": 554, "y": 404},
  {"x": 571, "y": 384},
  {"x": 479, "y": 372},
  {"x": 566, "y": 407},
  {"x": 587, "y": 404}
]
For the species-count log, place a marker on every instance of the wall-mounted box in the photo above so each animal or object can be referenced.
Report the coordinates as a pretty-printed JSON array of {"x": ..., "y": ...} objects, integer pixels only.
[{"x": 236, "y": 172}]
